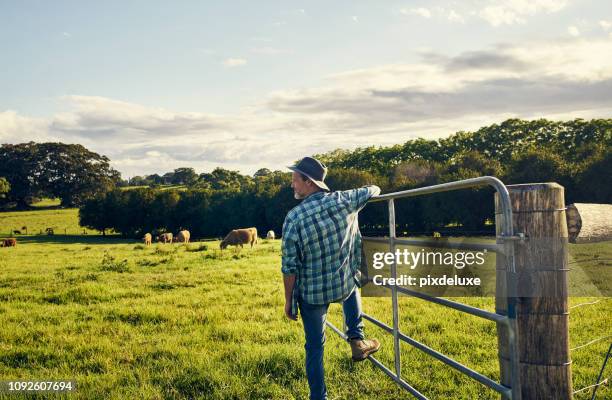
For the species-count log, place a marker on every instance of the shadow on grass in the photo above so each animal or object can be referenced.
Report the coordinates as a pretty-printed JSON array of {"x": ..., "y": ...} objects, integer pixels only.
[{"x": 77, "y": 239}]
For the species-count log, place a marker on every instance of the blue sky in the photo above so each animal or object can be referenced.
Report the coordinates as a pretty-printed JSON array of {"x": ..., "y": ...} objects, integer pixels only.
[{"x": 243, "y": 84}]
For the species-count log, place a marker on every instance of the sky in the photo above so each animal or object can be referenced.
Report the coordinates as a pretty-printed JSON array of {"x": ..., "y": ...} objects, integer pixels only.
[{"x": 157, "y": 85}]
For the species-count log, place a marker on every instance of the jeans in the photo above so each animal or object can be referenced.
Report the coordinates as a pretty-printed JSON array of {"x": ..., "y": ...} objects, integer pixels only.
[{"x": 313, "y": 317}]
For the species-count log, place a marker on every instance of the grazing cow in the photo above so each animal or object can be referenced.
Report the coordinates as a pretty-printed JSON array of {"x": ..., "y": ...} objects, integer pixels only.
[
  {"x": 238, "y": 237},
  {"x": 254, "y": 231},
  {"x": 10, "y": 242},
  {"x": 16, "y": 232},
  {"x": 147, "y": 239},
  {"x": 183, "y": 236},
  {"x": 270, "y": 235},
  {"x": 165, "y": 238}
]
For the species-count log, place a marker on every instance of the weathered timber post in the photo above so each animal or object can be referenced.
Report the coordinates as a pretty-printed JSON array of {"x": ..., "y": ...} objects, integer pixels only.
[{"x": 542, "y": 313}]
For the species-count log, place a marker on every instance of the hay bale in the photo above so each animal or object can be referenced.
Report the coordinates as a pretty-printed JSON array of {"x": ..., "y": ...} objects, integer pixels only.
[{"x": 589, "y": 222}]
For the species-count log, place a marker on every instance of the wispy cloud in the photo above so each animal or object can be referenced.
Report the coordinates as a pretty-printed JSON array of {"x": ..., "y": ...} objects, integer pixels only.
[
  {"x": 234, "y": 62},
  {"x": 421, "y": 11},
  {"x": 605, "y": 25},
  {"x": 509, "y": 12},
  {"x": 455, "y": 17},
  {"x": 355, "y": 18}
]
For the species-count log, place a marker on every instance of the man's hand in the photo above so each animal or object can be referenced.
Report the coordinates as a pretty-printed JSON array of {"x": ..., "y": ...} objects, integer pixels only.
[{"x": 288, "y": 312}]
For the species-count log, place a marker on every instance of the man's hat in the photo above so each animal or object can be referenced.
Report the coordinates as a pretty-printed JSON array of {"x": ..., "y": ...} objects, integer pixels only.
[{"x": 314, "y": 169}]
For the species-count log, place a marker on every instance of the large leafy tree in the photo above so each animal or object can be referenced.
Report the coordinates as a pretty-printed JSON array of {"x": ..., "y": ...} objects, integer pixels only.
[{"x": 67, "y": 171}]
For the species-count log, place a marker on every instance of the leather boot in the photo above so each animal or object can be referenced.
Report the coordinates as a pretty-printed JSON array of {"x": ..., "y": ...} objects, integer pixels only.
[{"x": 361, "y": 349}]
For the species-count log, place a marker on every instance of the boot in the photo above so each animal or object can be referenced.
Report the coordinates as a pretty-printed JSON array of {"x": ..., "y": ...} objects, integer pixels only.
[{"x": 361, "y": 349}]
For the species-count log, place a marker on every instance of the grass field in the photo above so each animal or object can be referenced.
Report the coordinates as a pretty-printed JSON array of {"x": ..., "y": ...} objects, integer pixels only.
[
  {"x": 46, "y": 214},
  {"x": 175, "y": 321}
]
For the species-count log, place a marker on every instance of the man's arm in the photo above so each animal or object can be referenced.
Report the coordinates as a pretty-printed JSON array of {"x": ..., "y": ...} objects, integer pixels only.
[
  {"x": 359, "y": 197},
  {"x": 290, "y": 264},
  {"x": 289, "y": 281}
]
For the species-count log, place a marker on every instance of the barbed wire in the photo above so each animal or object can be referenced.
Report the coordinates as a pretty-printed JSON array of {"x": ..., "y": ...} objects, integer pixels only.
[
  {"x": 591, "y": 259},
  {"x": 591, "y": 386},
  {"x": 585, "y": 304},
  {"x": 591, "y": 342}
]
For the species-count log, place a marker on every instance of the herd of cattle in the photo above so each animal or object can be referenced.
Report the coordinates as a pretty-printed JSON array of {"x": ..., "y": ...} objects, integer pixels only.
[{"x": 237, "y": 237}]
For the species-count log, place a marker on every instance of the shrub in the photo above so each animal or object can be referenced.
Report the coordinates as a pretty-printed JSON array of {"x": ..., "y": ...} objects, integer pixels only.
[{"x": 109, "y": 263}]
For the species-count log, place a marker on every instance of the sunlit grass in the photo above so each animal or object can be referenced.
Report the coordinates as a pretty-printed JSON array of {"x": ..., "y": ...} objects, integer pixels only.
[{"x": 174, "y": 321}]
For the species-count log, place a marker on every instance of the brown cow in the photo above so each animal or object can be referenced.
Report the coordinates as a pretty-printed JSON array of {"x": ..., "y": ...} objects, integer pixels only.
[
  {"x": 165, "y": 238},
  {"x": 254, "y": 230},
  {"x": 147, "y": 239},
  {"x": 238, "y": 237},
  {"x": 183, "y": 236},
  {"x": 10, "y": 242}
]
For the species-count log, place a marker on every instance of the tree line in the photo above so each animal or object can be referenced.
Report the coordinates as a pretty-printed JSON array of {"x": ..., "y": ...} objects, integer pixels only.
[
  {"x": 574, "y": 153},
  {"x": 577, "y": 154}
]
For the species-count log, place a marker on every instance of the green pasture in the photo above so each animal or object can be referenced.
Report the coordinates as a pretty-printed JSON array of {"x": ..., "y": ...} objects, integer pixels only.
[
  {"x": 189, "y": 321},
  {"x": 61, "y": 220}
]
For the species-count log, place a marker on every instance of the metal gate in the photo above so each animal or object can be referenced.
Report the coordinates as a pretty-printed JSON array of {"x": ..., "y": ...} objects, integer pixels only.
[{"x": 504, "y": 247}]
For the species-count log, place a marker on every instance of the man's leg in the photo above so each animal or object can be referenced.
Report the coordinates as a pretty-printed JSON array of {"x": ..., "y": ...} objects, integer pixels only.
[
  {"x": 352, "y": 315},
  {"x": 361, "y": 348},
  {"x": 313, "y": 317}
]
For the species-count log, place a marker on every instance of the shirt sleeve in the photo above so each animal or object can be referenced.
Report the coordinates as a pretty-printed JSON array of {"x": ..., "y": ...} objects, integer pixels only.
[
  {"x": 290, "y": 248},
  {"x": 359, "y": 197}
]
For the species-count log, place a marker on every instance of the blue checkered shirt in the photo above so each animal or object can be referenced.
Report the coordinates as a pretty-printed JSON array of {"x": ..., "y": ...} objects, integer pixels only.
[{"x": 322, "y": 245}]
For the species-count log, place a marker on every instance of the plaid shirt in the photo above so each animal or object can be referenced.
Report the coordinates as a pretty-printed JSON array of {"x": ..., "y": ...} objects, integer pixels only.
[{"x": 322, "y": 245}]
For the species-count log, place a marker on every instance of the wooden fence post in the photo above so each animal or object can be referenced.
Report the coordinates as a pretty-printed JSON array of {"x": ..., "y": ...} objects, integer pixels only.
[{"x": 538, "y": 211}]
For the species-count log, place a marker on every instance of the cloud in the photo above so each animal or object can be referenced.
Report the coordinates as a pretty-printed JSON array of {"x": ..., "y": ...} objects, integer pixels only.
[
  {"x": 15, "y": 127},
  {"x": 605, "y": 25},
  {"x": 421, "y": 11},
  {"x": 509, "y": 12},
  {"x": 526, "y": 80},
  {"x": 355, "y": 18},
  {"x": 433, "y": 97},
  {"x": 573, "y": 31},
  {"x": 234, "y": 62},
  {"x": 455, "y": 17}
]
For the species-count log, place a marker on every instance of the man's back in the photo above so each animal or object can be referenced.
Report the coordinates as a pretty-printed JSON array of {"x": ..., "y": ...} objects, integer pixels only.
[{"x": 322, "y": 244}]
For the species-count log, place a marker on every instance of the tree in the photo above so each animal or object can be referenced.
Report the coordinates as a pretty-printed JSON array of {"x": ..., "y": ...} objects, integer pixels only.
[
  {"x": 168, "y": 177},
  {"x": 18, "y": 165},
  {"x": 594, "y": 182},
  {"x": 262, "y": 172},
  {"x": 184, "y": 176},
  {"x": 68, "y": 171},
  {"x": 538, "y": 165},
  {"x": 4, "y": 187},
  {"x": 138, "y": 181},
  {"x": 93, "y": 215},
  {"x": 155, "y": 179},
  {"x": 224, "y": 179}
]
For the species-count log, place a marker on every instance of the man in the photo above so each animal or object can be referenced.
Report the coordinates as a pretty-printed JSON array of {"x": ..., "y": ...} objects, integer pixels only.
[{"x": 321, "y": 257}]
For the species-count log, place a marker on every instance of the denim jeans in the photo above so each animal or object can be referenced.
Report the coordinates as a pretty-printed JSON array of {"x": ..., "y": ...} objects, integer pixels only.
[{"x": 313, "y": 317}]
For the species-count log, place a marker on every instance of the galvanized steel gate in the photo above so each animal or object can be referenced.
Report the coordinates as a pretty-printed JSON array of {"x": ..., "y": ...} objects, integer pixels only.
[{"x": 504, "y": 247}]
